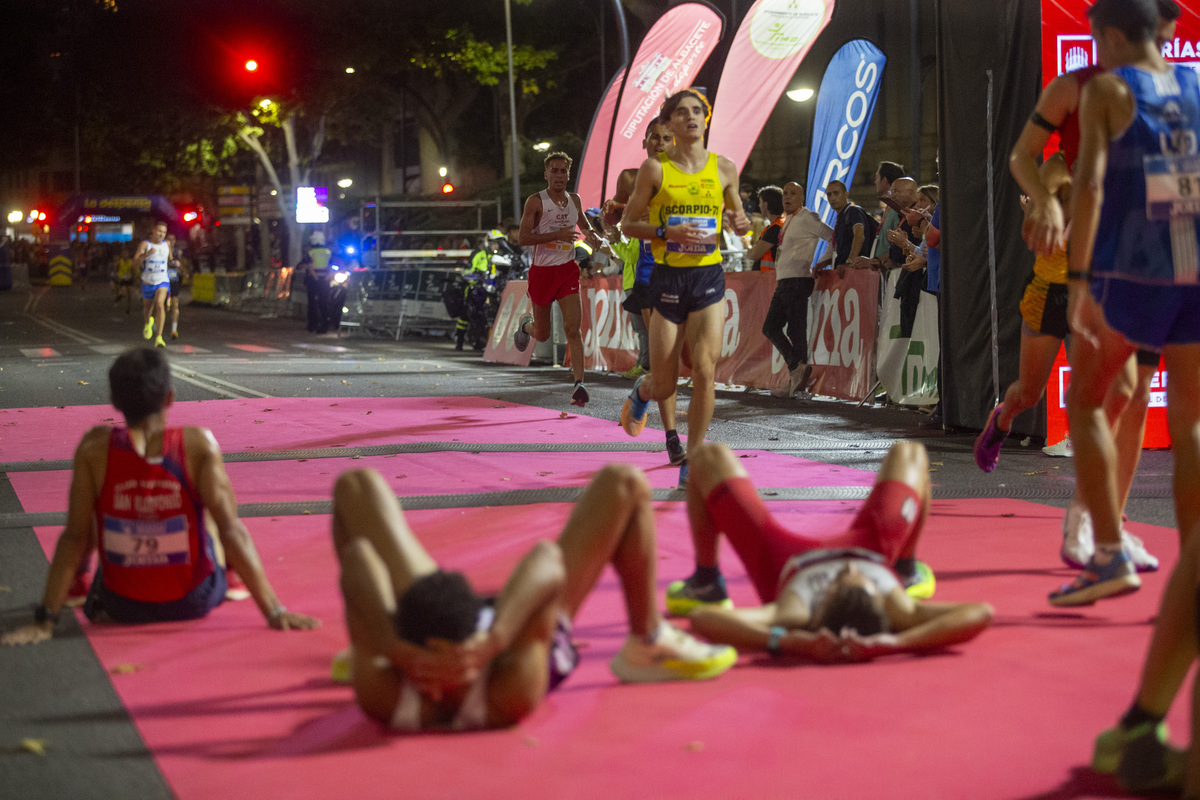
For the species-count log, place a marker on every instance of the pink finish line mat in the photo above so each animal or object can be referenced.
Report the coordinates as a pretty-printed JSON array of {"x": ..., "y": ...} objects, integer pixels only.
[
  {"x": 454, "y": 473},
  {"x": 284, "y": 423},
  {"x": 230, "y": 709}
]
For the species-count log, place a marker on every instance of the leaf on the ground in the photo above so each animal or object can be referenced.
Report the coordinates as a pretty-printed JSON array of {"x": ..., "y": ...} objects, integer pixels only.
[
  {"x": 367, "y": 413},
  {"x": 1009, "y": 514},
  {"x": 933, "y": 470},
  {"x": 380, "y": 358},
  {"x": 770, "y": 494},
  {"x": 748, "y": 455},
  {"x": 5, "y": 588},
  {"x": 346, "y": 382},
  {"x": 82, "y": 383},
  {"x": 125, "y": 669},
  {"x": 563, "y": 415},
  {"x": 545, "y": 473},
  {"x": 35, "y": 746},
  {"x": 505, "y": 479},
  {"x": 258, "y": 422},
  {"x": 306, "y": 511},
  {"x": 772, "y": 438},
  {"x": 398, "y": 477},
  {"x": 937, "y": 463},
  {"x": 301, "y": 460}
]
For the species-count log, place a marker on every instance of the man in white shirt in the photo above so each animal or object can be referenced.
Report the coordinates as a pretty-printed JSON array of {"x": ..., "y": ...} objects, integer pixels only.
[{"x": 802, "y": 230}]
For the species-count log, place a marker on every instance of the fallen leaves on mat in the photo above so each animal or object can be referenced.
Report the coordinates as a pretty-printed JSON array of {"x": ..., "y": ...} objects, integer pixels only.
[
  {"x": 268, "y": 409},
  {"x": 126, "y": 669},
  {"x": 564, "y": 415},
  {"x": 694, "y": 747},
  {"x": 35, "y": 746},
  {"x": 5, "y": 588},
  {"x": 346, "y": 382},
  {"x": 331, "y": 405},
  {"x": 1039, "y": 472},
  {"x": 1010, "y": 514},
  {"x": 307, "y": 512},
  {"x": 937, "y": 463},
  {"x": 505, "y": 479},
  {"x": 544, "y": 474},
  {"x": 258, "y": 422},
  {"x": 367, "y": 413},
  {"x": 748, "y": 455}
]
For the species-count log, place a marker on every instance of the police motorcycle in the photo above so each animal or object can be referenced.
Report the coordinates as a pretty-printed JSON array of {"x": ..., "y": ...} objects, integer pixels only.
[
  {"x": 472, "y": 298},
  {"x": 341, "y": 264}
]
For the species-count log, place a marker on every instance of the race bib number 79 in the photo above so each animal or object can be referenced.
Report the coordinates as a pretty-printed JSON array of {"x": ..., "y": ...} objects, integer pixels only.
[
  {"x": 1172, "y": 186},
  {"x": 135, "y": 543}
]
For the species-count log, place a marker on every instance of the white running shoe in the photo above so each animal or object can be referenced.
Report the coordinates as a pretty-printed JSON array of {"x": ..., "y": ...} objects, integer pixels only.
[
  {"x": 673, "y": 656},
  {"x": 1061, "y": 450},
  {"x": 1079, "y": 540},
  {"x": 1139, "y": 556}
]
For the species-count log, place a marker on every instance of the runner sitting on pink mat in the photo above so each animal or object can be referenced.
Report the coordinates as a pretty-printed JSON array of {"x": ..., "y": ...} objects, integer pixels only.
[
  {"x": 148, "y": 490},
  {"x": 834, "y": 598},
  {"x": 428, "y": 653}
]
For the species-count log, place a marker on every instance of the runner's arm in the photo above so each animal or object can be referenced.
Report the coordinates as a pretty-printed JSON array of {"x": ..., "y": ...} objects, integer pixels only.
[
  {"x": 75, "y": 541},
  {"x": 1043, "y": 229},
  {"x": 928, "y": 625},
  {"x": 635, "y": 223},
  {"x": 733, "y": 201},
  {"x": 216, "y": 495}
]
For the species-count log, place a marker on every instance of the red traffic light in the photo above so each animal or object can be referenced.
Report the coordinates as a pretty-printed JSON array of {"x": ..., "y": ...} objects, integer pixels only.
[
  {"x": 251, "y": 65},
  {"x": 447, "y": 188}
]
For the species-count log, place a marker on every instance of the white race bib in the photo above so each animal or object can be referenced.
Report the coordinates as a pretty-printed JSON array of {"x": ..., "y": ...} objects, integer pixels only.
[
  {"x": 137, "y": 543},
  {"x": 1172, "y": 186}
]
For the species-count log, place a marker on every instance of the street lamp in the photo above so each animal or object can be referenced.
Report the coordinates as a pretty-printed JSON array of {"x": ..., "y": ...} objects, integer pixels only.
[
  {"x": 512, "y": 111},
  {"x": 15, "y": 216},
  {"x": 346, "y": 183},
  {"x": 349, "y": 70},
  {"x": 542, "y": 147}
]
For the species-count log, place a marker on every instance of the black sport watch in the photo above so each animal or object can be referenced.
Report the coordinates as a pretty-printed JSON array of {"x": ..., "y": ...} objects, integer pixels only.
[{"x": 661, "y": 233}]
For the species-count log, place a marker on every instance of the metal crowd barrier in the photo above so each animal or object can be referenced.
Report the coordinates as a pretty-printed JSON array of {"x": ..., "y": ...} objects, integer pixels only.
[{"x": 407, "y": 298}]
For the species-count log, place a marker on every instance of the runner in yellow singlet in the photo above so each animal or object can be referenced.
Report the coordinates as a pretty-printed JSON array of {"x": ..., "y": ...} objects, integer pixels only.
[{"x": 680, "y": 201}]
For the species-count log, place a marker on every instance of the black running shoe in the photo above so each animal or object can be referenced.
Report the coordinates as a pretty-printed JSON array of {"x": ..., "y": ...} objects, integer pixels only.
[
  {"x": 675, "y": 452},
  {"x": 580, "y": 396}
]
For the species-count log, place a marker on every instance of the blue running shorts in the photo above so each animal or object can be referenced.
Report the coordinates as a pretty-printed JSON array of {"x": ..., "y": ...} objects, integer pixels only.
[
  {"x": 1149, "y": 315},
  {"x": 678, "y": 291}
]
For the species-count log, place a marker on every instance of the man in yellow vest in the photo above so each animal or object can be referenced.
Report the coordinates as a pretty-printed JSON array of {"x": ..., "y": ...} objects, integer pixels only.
[{"x": 681, "y": 199}]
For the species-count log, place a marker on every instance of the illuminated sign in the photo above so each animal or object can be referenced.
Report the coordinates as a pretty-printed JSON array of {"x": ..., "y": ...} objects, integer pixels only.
[
  {"x": 1067, "y": 42},
  {"x": 311, "y": 204}
]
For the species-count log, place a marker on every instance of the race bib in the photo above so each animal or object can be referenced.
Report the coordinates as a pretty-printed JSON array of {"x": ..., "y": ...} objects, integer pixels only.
[
  {"x": 560, "y": 247},
  {"x": 1172, "y": 186},
  {"x": 137, "y": 543},
  {"x": 706, "y": 245}
]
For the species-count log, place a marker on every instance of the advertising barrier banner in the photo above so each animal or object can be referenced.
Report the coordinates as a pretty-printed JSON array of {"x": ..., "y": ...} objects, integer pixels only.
[
  {"x": 500, "y": 349},
  {"x": 1156, "y": 436},
  {"x": 841, "y": 333},
  {"x": 908, "y": 367}
]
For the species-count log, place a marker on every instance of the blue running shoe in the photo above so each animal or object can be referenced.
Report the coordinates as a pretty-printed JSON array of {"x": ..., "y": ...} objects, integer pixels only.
[
  {"x": 1097, "y": 582},
  {"x": 633, "y": 413},
  {"x": 989, "y": 442},
  {"x": 683, "y": 475}
]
